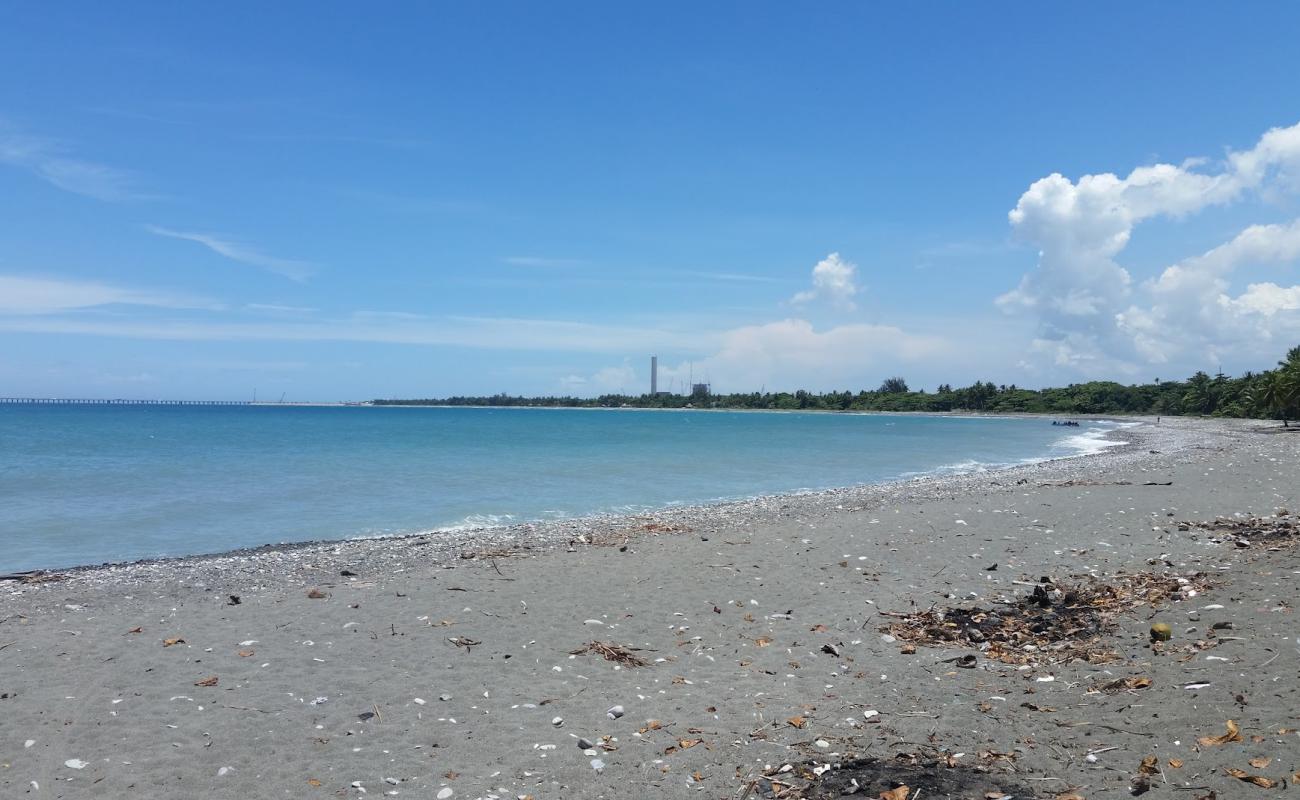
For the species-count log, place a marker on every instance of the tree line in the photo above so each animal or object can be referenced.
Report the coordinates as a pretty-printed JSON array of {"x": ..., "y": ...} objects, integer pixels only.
[{"x": 1271, "y": 394}]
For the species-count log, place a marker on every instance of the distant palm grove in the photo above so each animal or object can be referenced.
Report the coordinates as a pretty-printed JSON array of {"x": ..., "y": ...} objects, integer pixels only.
[{"x": 1272, "y": 394}]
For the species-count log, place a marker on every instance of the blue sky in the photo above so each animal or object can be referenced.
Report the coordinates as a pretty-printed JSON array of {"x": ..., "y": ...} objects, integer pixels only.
[{"x": 331, "y": 202}]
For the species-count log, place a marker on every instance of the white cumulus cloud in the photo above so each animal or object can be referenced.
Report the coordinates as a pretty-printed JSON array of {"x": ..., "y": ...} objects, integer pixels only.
[
  {"x": 1091, "y": 309},
  {"x": 833, "y": 281}
]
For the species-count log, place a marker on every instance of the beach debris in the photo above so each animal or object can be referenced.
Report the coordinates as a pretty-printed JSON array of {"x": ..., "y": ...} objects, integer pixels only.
[
  {"x": 1246, "y": 532},
  {"x": 211, "y": 680},
  {"x": 33, "y": 576},
  {"x": 906, "y": 776},
  {"x": 245, "y": 653},
  {"x": 1161, "y": 632},
  {"x": 234, "y": 600},
  {"x": 620, "y": 654},
  {"x": 1258, "y": 780},
  {"x": 136, "y": 629},
  {"x": 614, "y": 712},
  {"x": 316, "y": 594},
  {"x": 465, "y": 642},
  {"x": 1124, "y": 684},
  {"x": 175, "y": 641},
  {"x": 1233, "y": 735},
  {"x": 1054, "y": 623}
]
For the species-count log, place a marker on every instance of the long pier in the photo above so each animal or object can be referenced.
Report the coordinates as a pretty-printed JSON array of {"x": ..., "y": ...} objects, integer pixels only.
[{"x": 79, "y": 401}]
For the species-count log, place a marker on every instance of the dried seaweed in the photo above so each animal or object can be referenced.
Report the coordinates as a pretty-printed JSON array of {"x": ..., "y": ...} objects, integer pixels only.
[
  {"x": 1244, "y": 531},
  {"x": 619, "y": 654},
  {"x": 905, "y": 775},
  {"x": 1055, "y": 623}
]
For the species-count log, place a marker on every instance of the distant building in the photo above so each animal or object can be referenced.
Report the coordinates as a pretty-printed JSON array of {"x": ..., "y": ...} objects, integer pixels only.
[{"x": 699, "y": 390}]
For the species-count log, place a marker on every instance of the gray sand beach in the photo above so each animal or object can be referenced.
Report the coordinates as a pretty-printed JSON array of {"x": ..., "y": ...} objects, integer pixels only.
[{"x": 459, "y": 666}]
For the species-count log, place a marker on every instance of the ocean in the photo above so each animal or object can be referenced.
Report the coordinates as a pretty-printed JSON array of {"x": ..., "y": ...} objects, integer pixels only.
[{"x": 102, "y": 483}]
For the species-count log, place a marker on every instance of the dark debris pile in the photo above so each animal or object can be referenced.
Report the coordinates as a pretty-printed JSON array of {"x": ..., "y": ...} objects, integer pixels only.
[
  {"x": 906, "y": 775},
  {"x": 1278, "y": 530},
  {"x": 1054, "y": 623}
]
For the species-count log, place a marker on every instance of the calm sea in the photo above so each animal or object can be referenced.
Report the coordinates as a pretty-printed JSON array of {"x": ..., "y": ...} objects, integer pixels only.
[{"x": 89, "y": 484}]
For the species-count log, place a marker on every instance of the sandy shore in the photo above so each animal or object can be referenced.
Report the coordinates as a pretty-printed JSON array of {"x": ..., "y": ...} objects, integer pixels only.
[{"x": 442, "y": 666}]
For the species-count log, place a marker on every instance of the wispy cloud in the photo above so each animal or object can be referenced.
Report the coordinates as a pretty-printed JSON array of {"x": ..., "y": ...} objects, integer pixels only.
[
  {"x": 236, "y": 251},
  {"x": 540, "y": 261},
  {"x": 34, "y": 296},
  {"x": 51, "y": 162},
  {"x": 730, "y": 277},
  {"x": 476, "y": 332},
  {"x": 276, "y": 308}
]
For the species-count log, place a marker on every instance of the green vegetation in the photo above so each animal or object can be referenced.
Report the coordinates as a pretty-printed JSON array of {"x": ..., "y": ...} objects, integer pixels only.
[{"x": 1273, "y": 394}]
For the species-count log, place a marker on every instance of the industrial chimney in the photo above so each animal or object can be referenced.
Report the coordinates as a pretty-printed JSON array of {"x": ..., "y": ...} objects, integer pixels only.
[{"x": 654, "y": 375}]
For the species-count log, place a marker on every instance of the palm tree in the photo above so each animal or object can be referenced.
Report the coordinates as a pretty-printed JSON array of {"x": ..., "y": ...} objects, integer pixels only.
[
  {"x": 1200, "y": 393},
  {"x": 1269, "y": 393}
]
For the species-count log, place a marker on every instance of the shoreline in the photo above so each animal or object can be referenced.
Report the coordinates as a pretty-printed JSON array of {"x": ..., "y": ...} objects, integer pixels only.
[
  {"x": 547, "y": 532},
  {"x": 760, "y": 634}
]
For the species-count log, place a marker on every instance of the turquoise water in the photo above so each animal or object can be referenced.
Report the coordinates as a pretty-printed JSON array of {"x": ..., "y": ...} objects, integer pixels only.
[{"x": 89, "y": 484}]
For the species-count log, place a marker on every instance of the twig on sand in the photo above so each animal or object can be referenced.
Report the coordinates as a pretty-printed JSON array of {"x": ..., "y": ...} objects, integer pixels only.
[
  {"x": 612, "y": 652},
  {"x": 1087, "y": 724},
  {"x": 7, "y": 644}
]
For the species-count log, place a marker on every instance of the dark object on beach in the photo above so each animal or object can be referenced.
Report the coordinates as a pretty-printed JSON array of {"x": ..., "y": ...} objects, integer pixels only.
[
  {"x": 366, "y": 715},
  {"x": 347, "y": 573},
  {"x": 925, "y": 777},
  {"x": 465, "y": 642},
  {"x": 992, "y": 568},
  {"x": 1270, "y": 531},
  {"x": 612, "y": 652},
  {"x": 1053, "y": 624},
  {"x": 233, "y": 601},
  {"x": 33, "y": 576}
]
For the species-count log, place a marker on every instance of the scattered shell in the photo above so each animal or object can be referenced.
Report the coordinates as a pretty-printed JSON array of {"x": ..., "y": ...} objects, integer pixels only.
[
  {"x": 75, "y": 763},
  {"x": 558, "y": 721},
  {"x": 444, "y": 793}
]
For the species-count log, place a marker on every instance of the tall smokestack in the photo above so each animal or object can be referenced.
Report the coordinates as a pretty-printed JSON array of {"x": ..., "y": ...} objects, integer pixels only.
[{"x": 654, "y": 375}]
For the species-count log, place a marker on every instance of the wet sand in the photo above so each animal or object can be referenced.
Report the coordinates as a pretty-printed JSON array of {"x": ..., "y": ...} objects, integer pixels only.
[{"x": 444, "y": 664}]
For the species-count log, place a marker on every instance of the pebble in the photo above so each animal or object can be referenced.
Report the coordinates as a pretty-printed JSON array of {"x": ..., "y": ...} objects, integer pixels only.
[
  {"x": 75, "y": 763},
  {"x": 597, "y": 764},
  {"x": 615, "y": 712},
  {"x": 584, "y": 744},
  {"x": 28, "y": 743},
  {"x": 558, "y": 721},
  {"x": 221, "y": 773},
  {"x": 444, "y": 697},
  {"x": 444, "y": 793}
]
